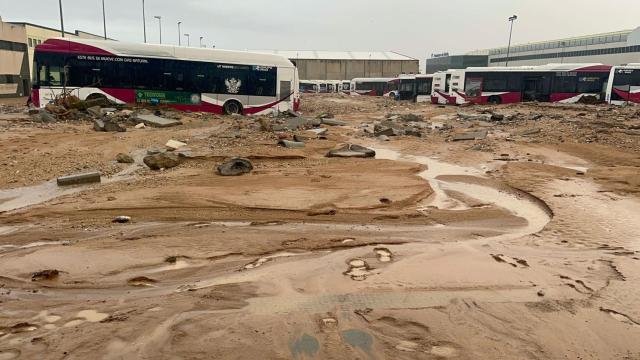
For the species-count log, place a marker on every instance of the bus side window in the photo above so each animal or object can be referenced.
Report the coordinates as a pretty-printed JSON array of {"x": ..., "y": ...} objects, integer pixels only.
[
  {"x": 42, "y": 75},
  {"x": 54, "y": 75}
]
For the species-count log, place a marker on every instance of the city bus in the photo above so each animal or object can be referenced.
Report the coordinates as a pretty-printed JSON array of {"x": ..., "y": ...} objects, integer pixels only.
[
  {"x": 373, "y": 86},
  {"x": 440, "y": 89},
  {"x": 416, "y": 88},
  {"x": 323, "y": 87},
  {"x": 624, "y": 84},
  {"x": 188, "y": 79},
  {"x": 559, "y": 83},
  {"x": 337, "y": 85},
  {"x": 346, "y": 87},
  {"x": 308, "y": 87}
]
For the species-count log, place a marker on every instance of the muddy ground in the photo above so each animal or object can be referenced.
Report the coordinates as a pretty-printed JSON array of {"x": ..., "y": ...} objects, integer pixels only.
[{"x": 522, "y": 245}]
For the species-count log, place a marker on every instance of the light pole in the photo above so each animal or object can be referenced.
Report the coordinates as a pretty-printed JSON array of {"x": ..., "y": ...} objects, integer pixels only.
[
  {"x": 512, "y": 20},
  {"x": 188, "y": 36},
  {"x": 564, "y": 44},
  {"x": 104, "y": 20},
  {"x": 160, "y": 24},
  {"x": 179, "y": 34},
  {"x": 61, "y": 18},
  {"x": 144, "y": 23},
  {"x": 201, "y": 37}
]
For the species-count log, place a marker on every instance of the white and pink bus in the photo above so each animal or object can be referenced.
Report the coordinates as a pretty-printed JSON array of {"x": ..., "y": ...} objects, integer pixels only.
[
  {"x": 195, "y": 79},
  {"x": 441, "y": 87},
  {"x": 560, "y": 83},
  {"x": 624, "y": 85},
  {"x": 416, "y": 88},
  {"x": 374, "y": 86}
]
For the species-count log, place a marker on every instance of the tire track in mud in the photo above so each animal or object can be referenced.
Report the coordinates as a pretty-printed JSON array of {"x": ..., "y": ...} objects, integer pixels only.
[{"x": 441, "y": 177}]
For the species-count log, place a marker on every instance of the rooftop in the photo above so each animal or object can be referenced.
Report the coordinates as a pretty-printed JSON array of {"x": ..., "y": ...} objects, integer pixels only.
[
  {"x": 585, "y": 40},
  {"x": 76, "y": 33},
  {"x": 337, "y": 55}
]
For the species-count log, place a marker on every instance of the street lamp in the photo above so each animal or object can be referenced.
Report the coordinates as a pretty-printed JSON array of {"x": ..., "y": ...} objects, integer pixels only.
[
  {"x": 61, "y": 18},
  {"x": 144, "y": 23},
  {"x": 512, "y": 20},
  {"x": 179, "y": 32},
  {"x": 104, "y": 20},
  {"x": 160, "y": 24},
  {"x": 201, "y": 37},
  {"x": 188, "y": 39}
]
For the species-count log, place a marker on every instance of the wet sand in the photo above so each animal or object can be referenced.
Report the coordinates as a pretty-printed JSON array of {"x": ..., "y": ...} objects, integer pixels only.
[{"x": 429, "y": 251}]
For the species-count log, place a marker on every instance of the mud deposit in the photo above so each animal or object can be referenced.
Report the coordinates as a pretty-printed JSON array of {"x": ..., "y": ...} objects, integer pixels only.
[{"x": 432, "y": 250}]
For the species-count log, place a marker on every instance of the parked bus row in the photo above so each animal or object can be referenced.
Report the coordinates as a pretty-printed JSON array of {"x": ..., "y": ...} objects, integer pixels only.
[
  {"x": 236, "y": 82},
  {"x": 559, "y": 83},
  {"x": 324, "y": 86}
]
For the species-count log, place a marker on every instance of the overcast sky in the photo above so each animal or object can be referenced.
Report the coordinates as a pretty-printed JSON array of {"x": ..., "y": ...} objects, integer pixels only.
[{"x": 416, "y": 28}]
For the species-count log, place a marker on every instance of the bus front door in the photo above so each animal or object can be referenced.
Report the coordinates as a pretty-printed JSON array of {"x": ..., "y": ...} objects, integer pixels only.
[{"x": 536, "y": 88}]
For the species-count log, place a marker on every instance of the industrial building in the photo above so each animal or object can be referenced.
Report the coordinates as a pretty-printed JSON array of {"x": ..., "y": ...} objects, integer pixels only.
[
  {"x": 347, "y": 65},
  {"x": 14, "y": 61},
  {"x": 17, "y": 44},
  {"x": 446, "y": 62},
  {"x": 612, "y": 48}
]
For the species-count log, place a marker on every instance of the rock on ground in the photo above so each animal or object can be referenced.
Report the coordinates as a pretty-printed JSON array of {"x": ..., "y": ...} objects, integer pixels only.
[
  {"x": 162, "y": 161},
  {"x": 235, "y": 167}
]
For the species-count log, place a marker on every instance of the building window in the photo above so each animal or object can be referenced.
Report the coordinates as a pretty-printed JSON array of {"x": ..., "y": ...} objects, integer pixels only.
[{"x": 30, "y": 42}]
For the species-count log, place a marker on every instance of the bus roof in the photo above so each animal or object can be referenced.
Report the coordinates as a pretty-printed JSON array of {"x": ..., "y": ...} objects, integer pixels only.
[
  {"x": 372, "y": 79},
  {"x": 117, "y": 48},
  {"x": 628, "y": 66},
  {"x": 593, "y": 67}
]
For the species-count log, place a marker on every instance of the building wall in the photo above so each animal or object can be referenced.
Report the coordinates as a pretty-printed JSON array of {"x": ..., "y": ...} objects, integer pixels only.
[
  {"x": 14, "y": 66},
  {"x": 544, "y": 57},
  {"x": 610, "y": 48},
  {"x": 313, "y": 69},
  {"x": 455, "y": 62}
]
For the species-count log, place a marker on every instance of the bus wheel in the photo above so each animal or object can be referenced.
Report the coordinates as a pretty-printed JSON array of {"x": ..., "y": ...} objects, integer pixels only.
[
  {"x": 494, "y": 100},
  {"x": 232, "y": 107},
  {"x": 96, "y": 96}
]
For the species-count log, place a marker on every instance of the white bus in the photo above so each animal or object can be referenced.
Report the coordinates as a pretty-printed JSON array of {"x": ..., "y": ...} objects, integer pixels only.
[
  {"x": 373, "y": 86},
  {"x": 346, "y": 86},
  {"x": 195, "y": 79},
  {"x": 440, "y": 89},
  {"x": 624, "y": 84},
  {"x": 559, "y": 83},
  {"x": 308, "y": 87},
  {"x": 416, "y": 88}
]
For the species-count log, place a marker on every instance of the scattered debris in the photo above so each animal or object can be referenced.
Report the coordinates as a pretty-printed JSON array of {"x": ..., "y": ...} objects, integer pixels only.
[
  {"x": 45, "y": 275},
  {"x": 235, "y": 167},
  {"x": 174, "y": 144},
  {"x": 291, "y": 144},
  {"x": 162, "y": 161},
  {"x": 141, "y": 281},
  {"x": 319, "y": 131},
  {"x": 122, "y": 219},
  {"x": 333, "y": 122},
  {"x": 156, "y": 121},
  {"x": 323, "y": 212},
  {"x": 465, "y": 116},
  {"x": 471, "y": 135},
  {"x": 86, "y": 178},
  {"x": 123, "y": 158},
  {"x": 352, "y": 151}
]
